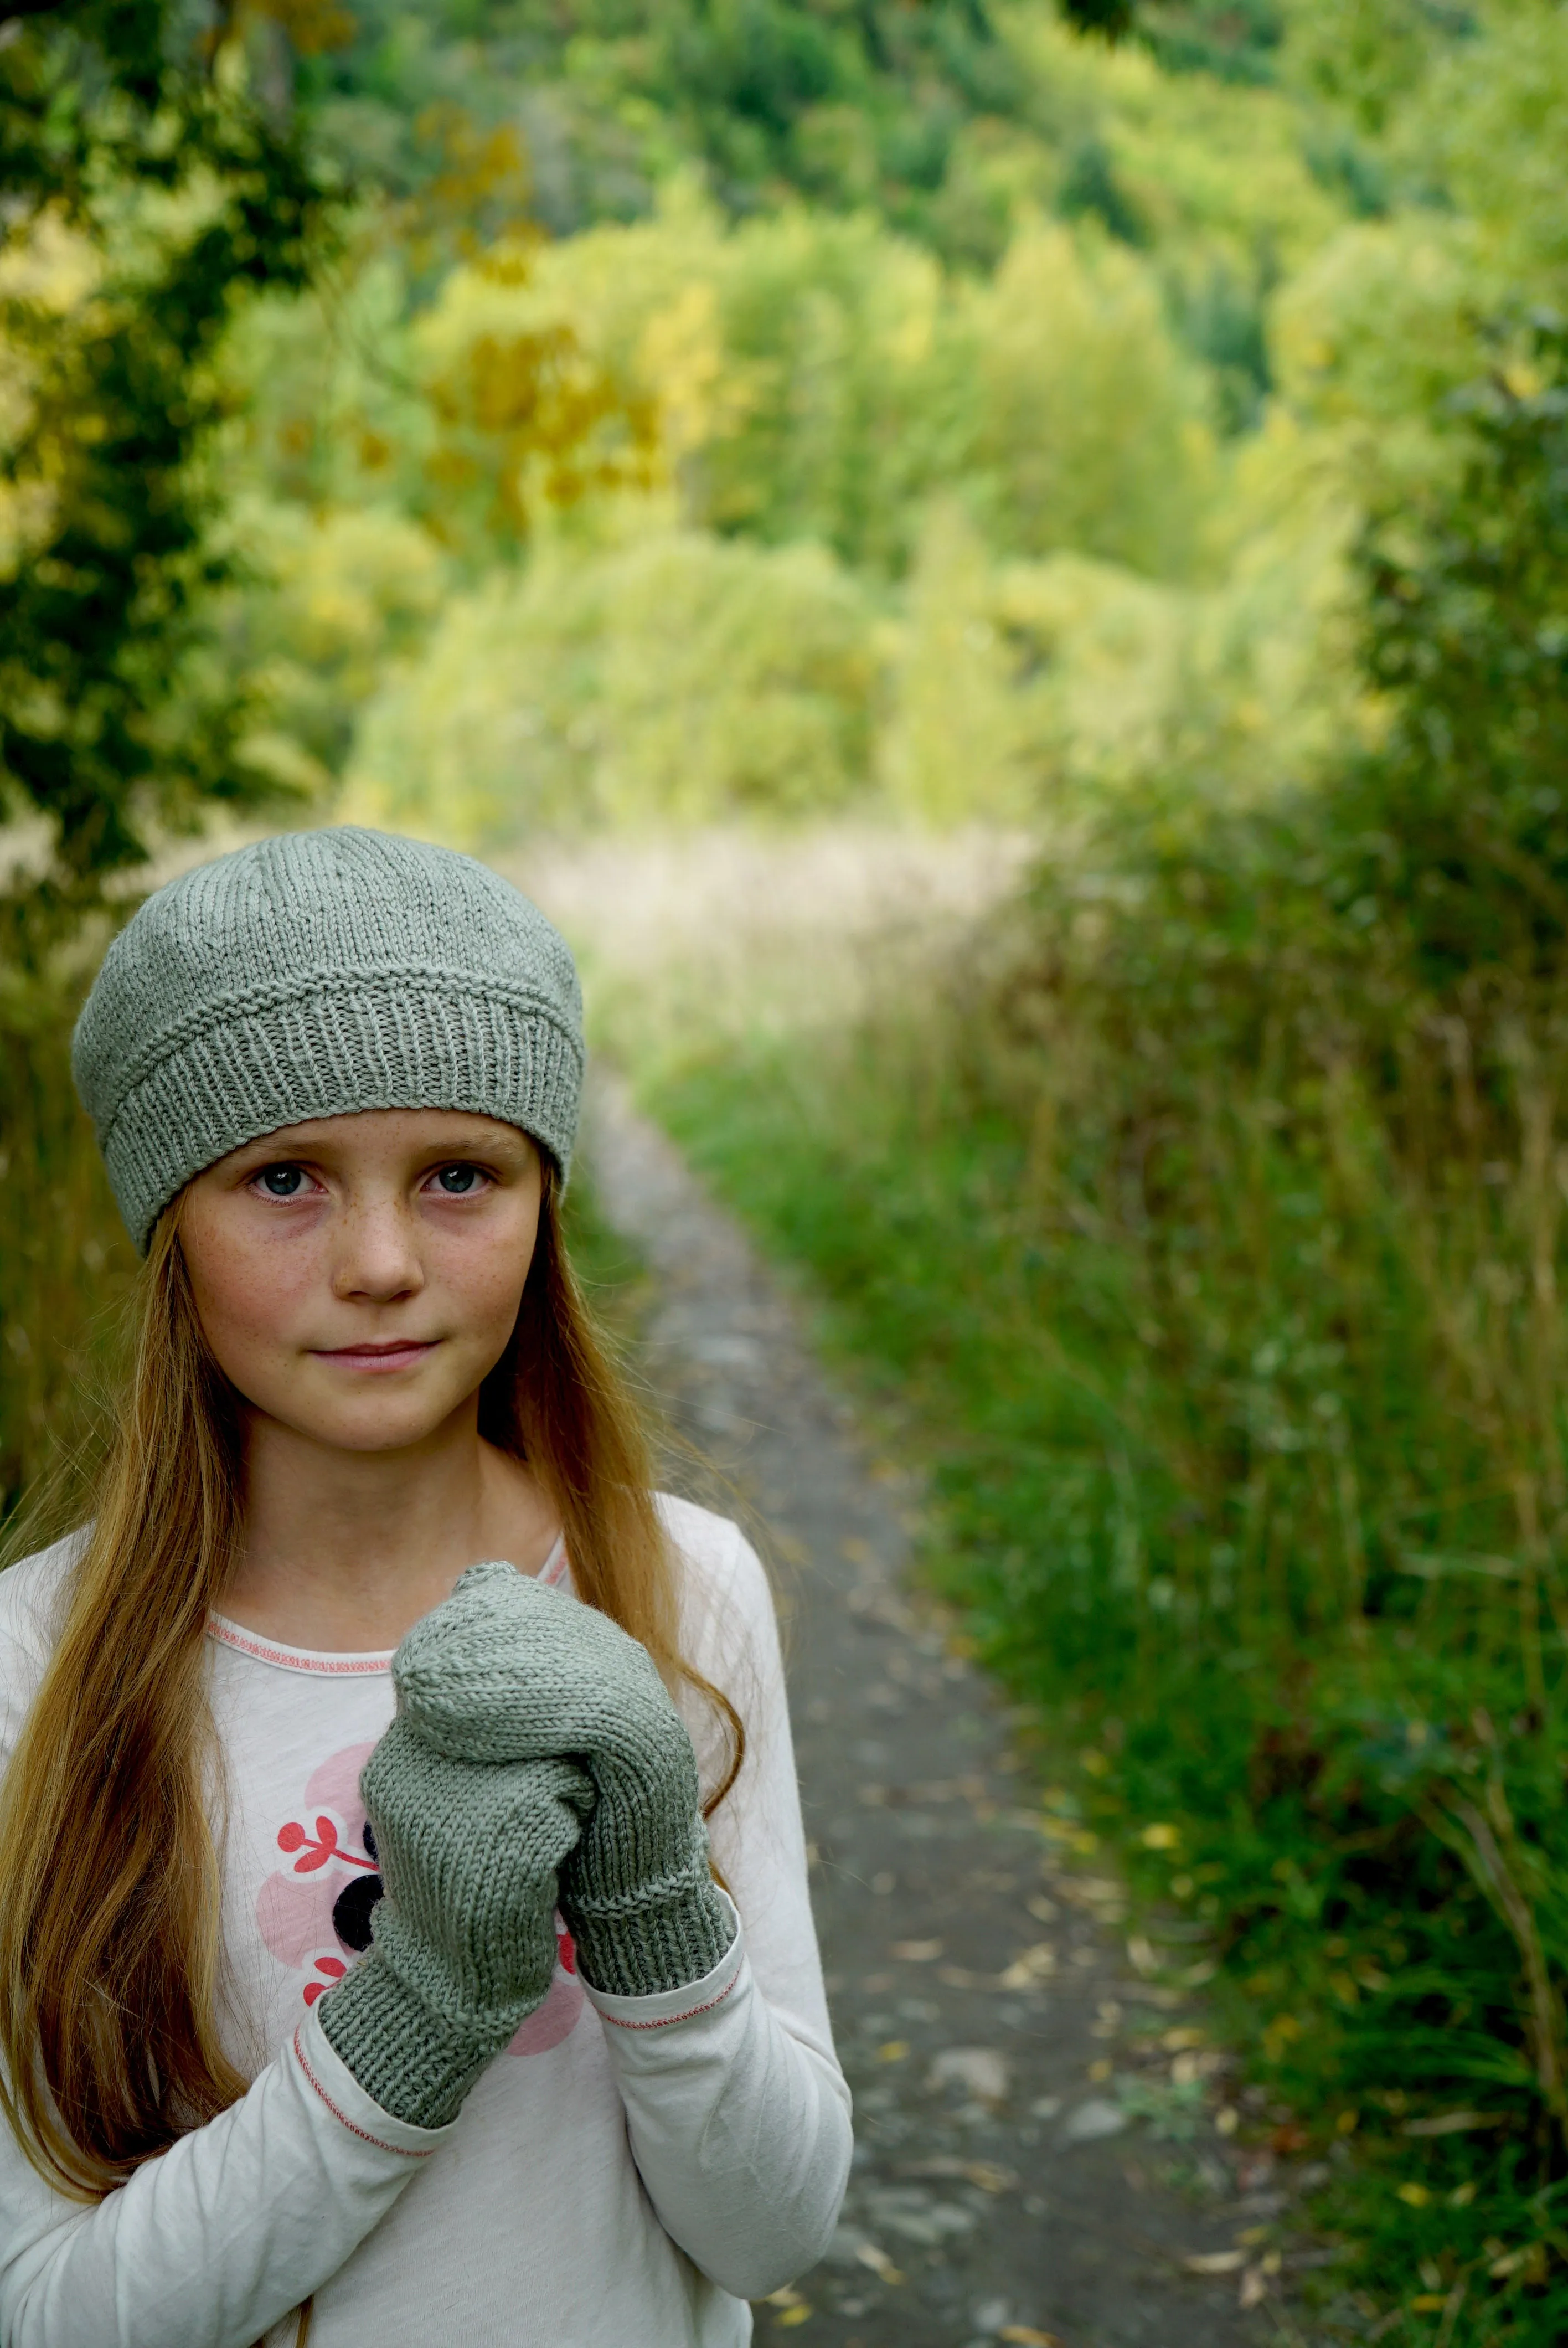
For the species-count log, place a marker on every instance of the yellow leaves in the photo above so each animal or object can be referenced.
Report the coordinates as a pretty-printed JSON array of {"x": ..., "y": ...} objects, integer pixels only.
[
  {"x": 533, "y": 420},
  {"x": 895, "y": 2050},
  {"x": 702, "y": 396},
  {"x": 1161, "y": 1838},
  {"x": 1279, "y": 2034},
  {"x": 880, "y": 2264},
  {"x": 476, "y": 202},
  {"x": 1414, "y": 2196},
  {"x": 1030, "y": 1967},
  {"x": 794, "y": 2310}
]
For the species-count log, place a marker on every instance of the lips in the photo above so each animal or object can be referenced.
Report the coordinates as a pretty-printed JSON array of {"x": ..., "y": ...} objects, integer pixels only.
[{"x": 394, "y": 1353}]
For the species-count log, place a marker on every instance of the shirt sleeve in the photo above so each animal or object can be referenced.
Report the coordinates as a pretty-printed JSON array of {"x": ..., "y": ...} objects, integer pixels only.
[
  {"x": 737, "y": 2112},
  {"x": 739, "y": 2129},
  {"x": 218, "y": 2238}
]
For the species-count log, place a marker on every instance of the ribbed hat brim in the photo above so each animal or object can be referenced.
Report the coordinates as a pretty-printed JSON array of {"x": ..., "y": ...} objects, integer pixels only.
[{"x": 334, "y": 1044}]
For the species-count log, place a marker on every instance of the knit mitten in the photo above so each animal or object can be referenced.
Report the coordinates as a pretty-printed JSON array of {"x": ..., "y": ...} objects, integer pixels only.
[
  {"x": 463, "y": 1943},
  {"x": 512, "y": 1670}
]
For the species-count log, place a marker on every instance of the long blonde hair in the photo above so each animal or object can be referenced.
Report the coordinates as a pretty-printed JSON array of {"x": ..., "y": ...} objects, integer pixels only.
[{"x": 109, "y": 1875}]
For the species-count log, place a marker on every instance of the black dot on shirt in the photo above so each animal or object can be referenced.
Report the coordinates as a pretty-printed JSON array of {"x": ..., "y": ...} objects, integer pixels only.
[{"x": 350, "y": 1910}]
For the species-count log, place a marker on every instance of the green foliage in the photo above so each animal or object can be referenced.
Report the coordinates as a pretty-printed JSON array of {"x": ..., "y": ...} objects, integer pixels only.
[
  {"x": 1459, "y": 828},
  {"x": 677, "y": 678},
  {"x": 66, "y": 1263},
  {"x": 163, "y": 196}
]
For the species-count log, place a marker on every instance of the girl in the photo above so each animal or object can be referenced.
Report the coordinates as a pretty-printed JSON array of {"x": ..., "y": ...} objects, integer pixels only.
[{"x": 363, "y": 1968}]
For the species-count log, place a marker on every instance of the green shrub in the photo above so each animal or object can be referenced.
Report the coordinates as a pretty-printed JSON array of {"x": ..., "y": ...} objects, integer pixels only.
[{"x": 65, "y": 1264}]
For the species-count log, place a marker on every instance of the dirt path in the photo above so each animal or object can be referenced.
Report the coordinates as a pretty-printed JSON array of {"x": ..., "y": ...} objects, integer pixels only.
[{"x": 989, "y": 2019}]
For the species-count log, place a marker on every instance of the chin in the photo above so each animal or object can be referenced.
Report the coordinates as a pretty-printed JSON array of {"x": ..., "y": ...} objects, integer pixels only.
[{"x": 368, "y": 1432}]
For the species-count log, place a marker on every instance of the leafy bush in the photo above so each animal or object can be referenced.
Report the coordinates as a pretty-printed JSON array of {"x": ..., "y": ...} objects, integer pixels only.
[{"x": 676, "y": 679}]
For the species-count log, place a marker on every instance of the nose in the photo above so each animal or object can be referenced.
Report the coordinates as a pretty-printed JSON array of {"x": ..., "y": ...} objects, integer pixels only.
[{"x": 376, "y": 1259}]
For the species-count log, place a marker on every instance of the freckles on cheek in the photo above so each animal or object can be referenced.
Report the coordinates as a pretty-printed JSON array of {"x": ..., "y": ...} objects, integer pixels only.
[
  {"x": 485, "y": 1288},
  {"x": 247, "y": 1295}
]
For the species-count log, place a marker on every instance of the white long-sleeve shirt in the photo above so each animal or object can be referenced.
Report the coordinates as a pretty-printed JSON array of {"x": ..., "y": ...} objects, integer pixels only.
[{"x": 627, "y": 2175}]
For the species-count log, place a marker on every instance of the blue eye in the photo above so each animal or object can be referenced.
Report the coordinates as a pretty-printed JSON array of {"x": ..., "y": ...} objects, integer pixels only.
[
  {"x": 459, "y": 1181},
  {"x": 282, "y": 1181}
]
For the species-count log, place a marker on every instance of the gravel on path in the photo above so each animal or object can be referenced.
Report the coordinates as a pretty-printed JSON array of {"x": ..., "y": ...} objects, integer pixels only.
[{"x": 1034, "y": 2162}]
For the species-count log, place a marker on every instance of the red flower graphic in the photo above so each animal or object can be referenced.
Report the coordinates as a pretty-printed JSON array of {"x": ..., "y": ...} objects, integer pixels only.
[
  {"x": 317, "y": 1849},
  {"x": 334, "y": 1970}
]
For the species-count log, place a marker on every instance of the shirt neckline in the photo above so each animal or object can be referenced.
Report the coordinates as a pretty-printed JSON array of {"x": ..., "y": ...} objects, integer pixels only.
[{"x": 341, "y": 1663}]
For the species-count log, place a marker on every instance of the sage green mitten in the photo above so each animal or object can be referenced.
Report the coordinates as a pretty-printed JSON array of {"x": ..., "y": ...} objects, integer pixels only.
[
  {"x": 463, "y": 1941},
  {"x": 510, "y": 1669}
]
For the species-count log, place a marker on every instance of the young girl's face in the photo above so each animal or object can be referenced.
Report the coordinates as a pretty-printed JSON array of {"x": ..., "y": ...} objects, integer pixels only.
[{"x": 356, "y": 1277}]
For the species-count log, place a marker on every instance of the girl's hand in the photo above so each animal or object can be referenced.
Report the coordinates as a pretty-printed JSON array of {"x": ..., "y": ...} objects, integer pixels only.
[
  {"x": 463, "y": 1941},
  {"x": 510, "y": 1669}
]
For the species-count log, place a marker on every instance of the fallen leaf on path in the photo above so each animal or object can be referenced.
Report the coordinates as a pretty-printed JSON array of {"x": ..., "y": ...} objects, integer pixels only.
[
  {"x": 1026, "y": 2336},
  {"x": 895, "y": 2050},
  {"x": 1253, "y": 2289},
  {"x": 792, "y": 2316},
  {"x": 915, "y": 1952},
  {"x": 1030, "y": 1967},
  {"x": 880, "y": 2264},
  {"x": 1206, "y": 2262},
  {"x": 986, "y": 2173}
]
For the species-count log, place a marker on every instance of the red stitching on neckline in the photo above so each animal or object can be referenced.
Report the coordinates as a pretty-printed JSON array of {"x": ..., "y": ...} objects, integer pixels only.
[
  {"x": 666, "y": 2019},
  {"x": 297, "y": 1659},
  {"x": 408, "y": 2152}
]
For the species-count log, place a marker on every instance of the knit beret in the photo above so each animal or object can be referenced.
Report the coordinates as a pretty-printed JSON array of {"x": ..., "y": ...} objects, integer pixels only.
[{"x": 311, "y": 975}]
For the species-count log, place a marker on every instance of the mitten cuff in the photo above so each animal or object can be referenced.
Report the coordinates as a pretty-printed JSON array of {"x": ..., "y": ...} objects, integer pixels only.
[
  {"x": 659, "y": 1936},
  {"x": 411, "y": 2061}
]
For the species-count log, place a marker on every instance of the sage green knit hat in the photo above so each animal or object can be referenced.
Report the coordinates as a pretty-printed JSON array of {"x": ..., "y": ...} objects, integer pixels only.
[{"x": 311, "y": 975}]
